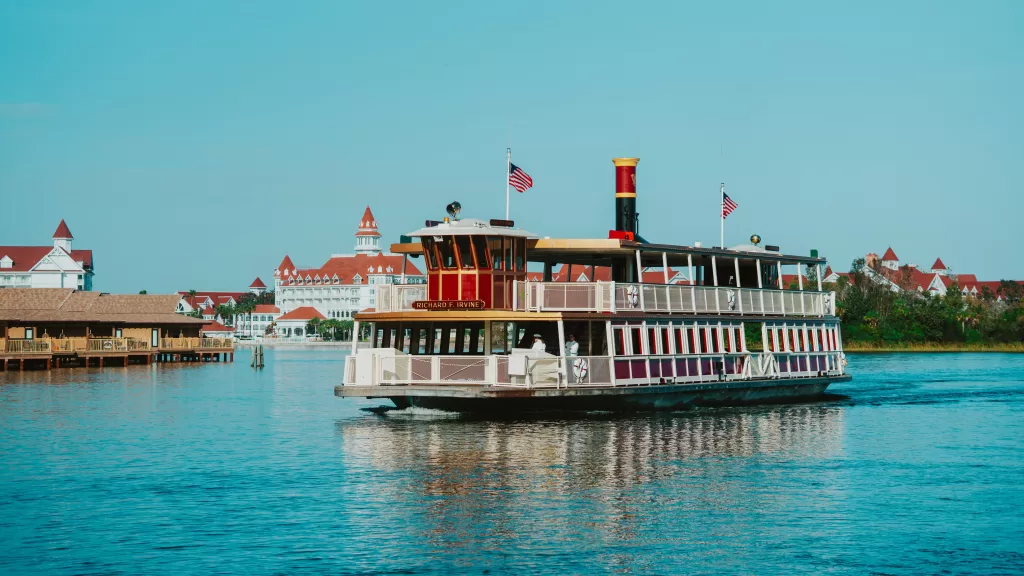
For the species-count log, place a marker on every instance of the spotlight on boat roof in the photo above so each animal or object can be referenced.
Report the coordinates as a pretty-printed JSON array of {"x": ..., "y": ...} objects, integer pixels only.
[
  {"x": 453, "y": 210},
  {"x": 755, "y": 239}
]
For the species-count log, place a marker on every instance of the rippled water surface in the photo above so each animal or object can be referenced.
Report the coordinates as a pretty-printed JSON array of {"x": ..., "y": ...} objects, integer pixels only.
[{"x": 918, "y": 468}]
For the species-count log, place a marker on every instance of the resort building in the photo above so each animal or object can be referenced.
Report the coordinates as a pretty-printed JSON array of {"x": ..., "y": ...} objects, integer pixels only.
[
  {"x": 56, "y": 266},
  {"x": 345, "y": 284},
  {"x": 255, "y": 324},
  {"x": 936, "y": 280},
  {"x": 294, "y": 325},
  {"x": 42, "y": 327}
]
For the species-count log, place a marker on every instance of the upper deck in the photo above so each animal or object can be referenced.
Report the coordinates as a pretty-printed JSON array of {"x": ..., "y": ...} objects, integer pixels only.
[
  {"x": 478, "y": 269},
  {"x": 743, "y": 282}
]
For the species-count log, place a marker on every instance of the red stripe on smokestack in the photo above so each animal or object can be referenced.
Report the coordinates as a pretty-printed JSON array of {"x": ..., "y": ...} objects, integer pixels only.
[{"x": 625, "y": 176}]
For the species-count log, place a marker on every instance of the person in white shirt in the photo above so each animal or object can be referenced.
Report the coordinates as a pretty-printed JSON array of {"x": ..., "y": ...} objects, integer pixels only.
[
  {"x": 538, "y": 343},
  {"x": 572, "y": 347}
]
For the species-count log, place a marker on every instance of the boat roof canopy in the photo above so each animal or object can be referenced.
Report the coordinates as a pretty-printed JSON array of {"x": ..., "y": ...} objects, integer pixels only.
[
  {"x": 601, "y": 251},
  {"x": 467, "y": 227}
]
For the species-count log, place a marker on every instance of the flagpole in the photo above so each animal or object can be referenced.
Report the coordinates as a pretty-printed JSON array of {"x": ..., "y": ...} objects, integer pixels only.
[
  {"x": 721, "y": 213},
  {"x": 508, "y": 170}
]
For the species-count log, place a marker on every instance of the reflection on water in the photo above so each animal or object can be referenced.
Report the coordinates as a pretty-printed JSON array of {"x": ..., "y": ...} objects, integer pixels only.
[{"x": 506, "y": 475}]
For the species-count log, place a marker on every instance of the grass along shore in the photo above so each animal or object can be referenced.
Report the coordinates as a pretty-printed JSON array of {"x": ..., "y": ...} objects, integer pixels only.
[{"x": 932, "y": 347}]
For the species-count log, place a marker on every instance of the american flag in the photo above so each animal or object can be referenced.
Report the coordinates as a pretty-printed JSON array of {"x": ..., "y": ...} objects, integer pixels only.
[
  {"x": 519, "y": 180},
  {"x": 727, "y": 205}
]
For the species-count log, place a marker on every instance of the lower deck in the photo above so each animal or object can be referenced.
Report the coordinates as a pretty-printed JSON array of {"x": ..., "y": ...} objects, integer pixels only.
[{"x": 468, "y": 398}]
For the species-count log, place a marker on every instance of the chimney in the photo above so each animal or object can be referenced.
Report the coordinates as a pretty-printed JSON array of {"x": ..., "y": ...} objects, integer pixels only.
[{"x": 625, "y": 194}]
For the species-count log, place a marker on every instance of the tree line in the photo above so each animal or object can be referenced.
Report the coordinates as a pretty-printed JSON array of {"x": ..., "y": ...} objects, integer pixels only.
[{"x": 873, "y": 313}]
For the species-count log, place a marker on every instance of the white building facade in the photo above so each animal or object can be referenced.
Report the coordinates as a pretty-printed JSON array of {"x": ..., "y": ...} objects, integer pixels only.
[
  {"x": 345, "y": 284},
  {"x": 56, "y": 266}
]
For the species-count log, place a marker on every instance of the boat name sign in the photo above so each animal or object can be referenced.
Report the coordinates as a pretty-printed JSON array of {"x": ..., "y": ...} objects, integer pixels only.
[{"x": 448, "y": 305}]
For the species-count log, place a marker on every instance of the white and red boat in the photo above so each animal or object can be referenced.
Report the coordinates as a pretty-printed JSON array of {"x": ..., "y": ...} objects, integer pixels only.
[{"x": 626, "y": 325}]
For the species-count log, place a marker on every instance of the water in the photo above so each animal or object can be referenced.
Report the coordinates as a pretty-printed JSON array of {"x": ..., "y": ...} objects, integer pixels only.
[{"x": 220, "y": 469}]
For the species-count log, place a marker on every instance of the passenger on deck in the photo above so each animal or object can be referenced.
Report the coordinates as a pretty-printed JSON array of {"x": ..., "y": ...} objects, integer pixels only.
[
  {"x": 538, "y": 343},
  {"x": 572, "y": 347}
]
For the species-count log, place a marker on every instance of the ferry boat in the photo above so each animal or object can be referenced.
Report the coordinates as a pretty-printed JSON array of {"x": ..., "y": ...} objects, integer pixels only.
[{"x": 484, "y": 335}]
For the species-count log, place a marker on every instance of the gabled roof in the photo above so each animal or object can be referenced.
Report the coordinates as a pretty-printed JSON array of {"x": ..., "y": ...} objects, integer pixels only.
[
  {"x": 215, "y": 327},
  {"x": 266, "y": 309},
  {"x": 963, "y": 279},
  {"x": 350, "y": 266},
  {"x": 301, "y": 313},
  {"x": 257, "y": 283},
  {"x": 889, "y": 255},
  {"x": 70, "y": 305},
  {"x": 63, "y": 232},
  {"x": 938, "y": 265},
  {"x": 25, "y": 258}
]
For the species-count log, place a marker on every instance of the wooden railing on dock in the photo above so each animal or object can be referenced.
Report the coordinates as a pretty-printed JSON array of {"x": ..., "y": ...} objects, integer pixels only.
[
  {"x": 190, "y": 343},
  {"x": 15, "y": 346}
]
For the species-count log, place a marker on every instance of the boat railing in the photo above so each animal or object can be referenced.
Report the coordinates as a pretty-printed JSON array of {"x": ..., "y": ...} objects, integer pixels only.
[
  {"x": 522, "y": 371},
  {"x": 670, "y": 298},
  {"x": 399, "y": 297}
]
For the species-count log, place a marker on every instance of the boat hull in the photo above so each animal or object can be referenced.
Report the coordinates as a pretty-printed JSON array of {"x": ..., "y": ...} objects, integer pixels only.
[{"x": 622, "y": 398}]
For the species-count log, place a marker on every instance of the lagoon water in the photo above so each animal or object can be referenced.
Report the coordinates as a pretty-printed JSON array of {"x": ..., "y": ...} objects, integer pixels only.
[{"x": 917, "y": 468}]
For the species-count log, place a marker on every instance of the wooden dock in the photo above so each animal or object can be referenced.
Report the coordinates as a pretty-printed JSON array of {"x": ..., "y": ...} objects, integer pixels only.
[{"x": 47, "y": 353}]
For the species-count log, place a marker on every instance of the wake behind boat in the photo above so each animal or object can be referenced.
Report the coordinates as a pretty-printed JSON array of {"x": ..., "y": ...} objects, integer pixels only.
[{"x": 625, "y": 324}]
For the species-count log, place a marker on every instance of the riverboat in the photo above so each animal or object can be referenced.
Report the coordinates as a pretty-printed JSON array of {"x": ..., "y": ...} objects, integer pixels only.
[{"x": 615, "y": 332}]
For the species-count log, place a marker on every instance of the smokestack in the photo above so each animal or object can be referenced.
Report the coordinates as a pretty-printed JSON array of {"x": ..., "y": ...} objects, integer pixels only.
[{"x": 625, "y": 194}]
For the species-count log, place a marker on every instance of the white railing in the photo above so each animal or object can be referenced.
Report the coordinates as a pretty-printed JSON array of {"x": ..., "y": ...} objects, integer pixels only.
[
  {"x": 399, "y": 297},
  {"x": 670, "y": 298},
  {"x": 583, "y": 371}
]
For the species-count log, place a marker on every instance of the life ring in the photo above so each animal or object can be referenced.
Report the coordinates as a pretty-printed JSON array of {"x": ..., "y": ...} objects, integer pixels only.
[
  {"x": 632, "y": 296},
  {"x": 580, "y": 369}
]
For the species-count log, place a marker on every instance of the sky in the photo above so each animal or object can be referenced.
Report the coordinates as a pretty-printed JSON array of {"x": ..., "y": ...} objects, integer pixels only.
[{"x": 191, "y": 145}]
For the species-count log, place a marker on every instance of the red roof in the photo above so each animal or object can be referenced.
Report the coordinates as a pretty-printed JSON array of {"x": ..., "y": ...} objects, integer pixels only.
[
  {"x": 306, "y": 313},
  {"x": 25, "y": 257},
  {"x": 63, "y": 231},
  {"x": 889, "y": 255},
  {"x": 938, "y": 265},
  {"x": 215, "y": 327},
  {"x": 368, "y": 224},
  {"x": 257, "y": 283},
  {"x": 286, "y": 267},
  {"x": 266, "y": 309},
  {"x": 347, "y": 267},
  {"x": 962, "y": 279}
]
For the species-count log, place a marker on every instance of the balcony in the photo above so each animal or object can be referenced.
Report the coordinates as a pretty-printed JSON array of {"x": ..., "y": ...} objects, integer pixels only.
[
  {"x": 193, "y": 344},
  {"x": 612, "y": 297}
]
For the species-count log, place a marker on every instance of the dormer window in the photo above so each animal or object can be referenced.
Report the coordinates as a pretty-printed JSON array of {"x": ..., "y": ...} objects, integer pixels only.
[
  {"x": 357, "y": 279},
  {"x": 6, "y": 262}
]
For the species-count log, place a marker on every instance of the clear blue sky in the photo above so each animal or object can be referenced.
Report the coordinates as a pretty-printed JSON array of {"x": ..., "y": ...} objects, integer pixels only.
[{"x": 193, "y": 144}]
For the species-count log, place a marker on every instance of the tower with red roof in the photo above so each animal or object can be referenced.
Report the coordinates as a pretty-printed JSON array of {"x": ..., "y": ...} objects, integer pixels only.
[
  {"x": 257, "y": 287},
  {"x": 367, "y": 236},
  {"x": 889, "y": 260},
  {"x": 62, "y": 237},
  {"x": 940, "y": 268}
]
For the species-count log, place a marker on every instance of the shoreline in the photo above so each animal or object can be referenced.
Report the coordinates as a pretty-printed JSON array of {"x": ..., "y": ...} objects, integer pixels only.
[
  {"x": 274, "y": 344},
  {"x": 922, "y": 348}
]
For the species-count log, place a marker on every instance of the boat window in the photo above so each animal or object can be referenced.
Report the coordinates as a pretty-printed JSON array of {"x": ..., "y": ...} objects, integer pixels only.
[
  {"x": 716, "y": 344},
  {"x": 635, "y": 340},
  {"x": 666, "y": 345},
  {"x": 619, "y": 335},
  {"x": 481, "y": 251},
  {"x": 652, "y": 340},
  {"x": 465, "y": 252},
  {"x": 520, "y": 254},
  {"x": 428, "y": 249},
  {"x": 496, "y": 252},
  {"x": 727, "y": 340},
  {"x": 680, "y": 338},
  {"x": 446, "y": 252}
]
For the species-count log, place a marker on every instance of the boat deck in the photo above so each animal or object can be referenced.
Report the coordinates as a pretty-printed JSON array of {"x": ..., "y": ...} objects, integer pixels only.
[{"x": 618, "y": 398}]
